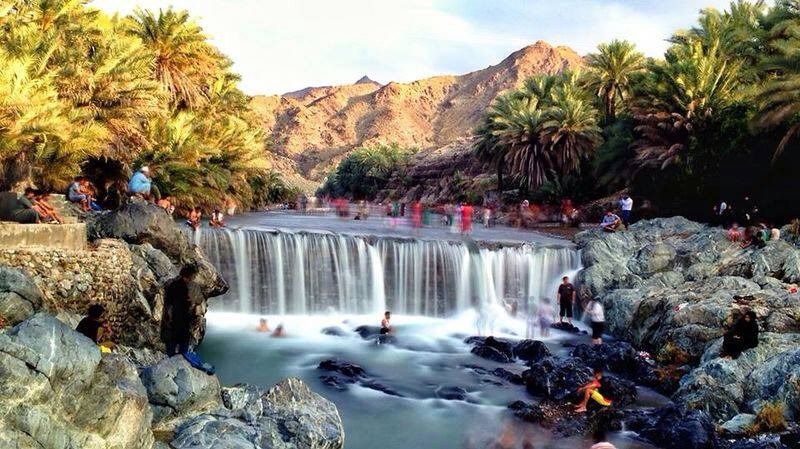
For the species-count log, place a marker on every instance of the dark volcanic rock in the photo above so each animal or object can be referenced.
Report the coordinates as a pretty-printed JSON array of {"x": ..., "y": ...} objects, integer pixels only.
[
  {"x": 335, "y": 331},
  {"x": 622, "y": 359},
  {"x": 556, "y": 379},
  {"x": 531, "y": 350},
  {"x": 344, "y": 373},
  {"x": 566, "y": 327},
  {"x": 531, "y": 413},
  {"x": 620, "y": 391},
  {"x": 501, "y": 373},
  {"x": 673, "y": 427},
  {"x": 367, "y": 332},
  {"x": 451, "y": 393},
  {"x": 491, "y": 348}
]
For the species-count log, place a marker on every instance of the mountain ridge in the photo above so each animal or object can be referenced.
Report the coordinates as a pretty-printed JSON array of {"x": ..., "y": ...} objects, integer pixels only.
[{"x": 316, "y": 127}]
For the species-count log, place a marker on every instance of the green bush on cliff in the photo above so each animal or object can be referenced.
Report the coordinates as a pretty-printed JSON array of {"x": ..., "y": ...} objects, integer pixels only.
[{"x": 366, "y": 171}]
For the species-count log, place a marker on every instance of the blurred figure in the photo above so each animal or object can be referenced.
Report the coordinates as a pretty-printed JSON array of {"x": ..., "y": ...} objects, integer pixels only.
[
  {"x": 386, "y": 324},
  {"x": 466, "y": 219},
  {"x": 279, "y": 332},
  {"x": 600, "y": 440},
  {"x": 487, "y": 216},
  {"x": 263, "y": 326},
  {"x": 217, "y": 219},
  {"x": 416, "y": 216},
  {"x": 546, "y": 317},
  {"x": 195, "y": 216},
  {"x": 734, "y": 233}
]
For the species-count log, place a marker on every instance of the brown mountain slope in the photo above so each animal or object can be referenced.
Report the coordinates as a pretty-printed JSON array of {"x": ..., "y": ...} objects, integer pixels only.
[{"x": 317, "y": 126}]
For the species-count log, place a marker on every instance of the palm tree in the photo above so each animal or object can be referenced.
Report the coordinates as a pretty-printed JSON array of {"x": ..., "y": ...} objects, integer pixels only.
[
  {"x": 571, "y": 130},
  {"x": 780, "y": 95},
  {"x": 610, "y": 73},
  {"x": 487, "y": 146},
  {"x": 530, "y": 160},
  {"x": 185, "y": 64}
]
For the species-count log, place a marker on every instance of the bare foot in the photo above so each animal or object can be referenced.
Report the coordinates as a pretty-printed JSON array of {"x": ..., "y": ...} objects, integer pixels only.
[{"x": 580, "y": 409}]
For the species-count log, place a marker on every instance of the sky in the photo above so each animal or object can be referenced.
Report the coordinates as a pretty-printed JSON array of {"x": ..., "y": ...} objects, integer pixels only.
[{"x": 282, "y": 45}]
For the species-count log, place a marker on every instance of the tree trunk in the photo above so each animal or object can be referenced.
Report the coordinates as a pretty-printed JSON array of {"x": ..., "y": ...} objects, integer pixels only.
[
  {"x": 500, "y": 162},
  {"x": 611, "y": 106}
]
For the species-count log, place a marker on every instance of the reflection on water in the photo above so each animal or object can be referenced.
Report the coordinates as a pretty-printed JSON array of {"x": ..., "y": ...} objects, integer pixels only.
[{"x": 430, "y": 354}]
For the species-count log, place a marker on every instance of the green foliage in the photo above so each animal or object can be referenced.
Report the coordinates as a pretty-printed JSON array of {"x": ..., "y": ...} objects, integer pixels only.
[
  {"x": 537, "y": 133},
  {"x": 366, "y": 171},
  {"x": 77, "y": 85}
]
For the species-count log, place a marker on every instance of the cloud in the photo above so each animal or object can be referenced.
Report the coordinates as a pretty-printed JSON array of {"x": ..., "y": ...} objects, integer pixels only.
[{"x": 278, "y": 46}]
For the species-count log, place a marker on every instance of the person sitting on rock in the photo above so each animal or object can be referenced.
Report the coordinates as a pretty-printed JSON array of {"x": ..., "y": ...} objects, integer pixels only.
[
  {"x": 96, "y": 328},
  {"x": 262, "y": 325},
  {"x": 600, "y": 439},
  {"x": 742, "y": 336},
  {"x": 47, "y": 212},
  {"x": 592, "y": 391},
  {"x": 386, "y": 325},
  {"x": 734, "y": 234},
  {"x": 611, "y": 222},
  {"x": 18, "y": 208},
  {"x": 166, "y": 204},
  {"x": 140, "y": 183},
  {"x": 194, "y": 218},
  {"x": 179, "y": 311},
  {"x": 80, "y": 193},
  {"x": 279, "y": 332},
  {"x": 217, "y": 219}
]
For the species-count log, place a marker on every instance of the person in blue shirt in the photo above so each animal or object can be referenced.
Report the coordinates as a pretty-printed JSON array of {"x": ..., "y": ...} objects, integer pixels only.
[{"x": 140, "y": 183}]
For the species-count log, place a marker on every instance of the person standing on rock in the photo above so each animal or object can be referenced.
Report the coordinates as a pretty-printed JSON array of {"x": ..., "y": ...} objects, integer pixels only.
[
  {"x": 566, "y": 298},
  {"x": 597, "y": 316},
  {"x": 179, "y": 312},
  {"x": 626, "y": 204}
]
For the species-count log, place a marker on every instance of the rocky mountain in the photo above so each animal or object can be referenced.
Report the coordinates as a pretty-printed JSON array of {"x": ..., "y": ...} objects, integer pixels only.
[{"x": 314, "y": 128}]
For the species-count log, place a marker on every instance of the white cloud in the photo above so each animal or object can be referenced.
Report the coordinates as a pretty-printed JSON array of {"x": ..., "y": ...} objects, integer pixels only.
[{"x": 278, "y": 46}]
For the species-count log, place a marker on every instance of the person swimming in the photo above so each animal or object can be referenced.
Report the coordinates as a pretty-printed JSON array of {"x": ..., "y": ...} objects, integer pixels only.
[
  {"x": 263, "y": 326},
  {"x": 279, "y": 332}
]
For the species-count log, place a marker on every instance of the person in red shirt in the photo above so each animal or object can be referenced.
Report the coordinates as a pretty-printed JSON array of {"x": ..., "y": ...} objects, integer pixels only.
[
  {"x": 416, "y": 215},
  {"x": 466, "y": 219},
  {"x": 592, "y": 390}
]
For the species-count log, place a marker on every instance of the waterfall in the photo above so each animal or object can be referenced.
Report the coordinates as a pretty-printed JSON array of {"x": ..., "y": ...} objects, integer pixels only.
[{"x": 272, "y": 272}]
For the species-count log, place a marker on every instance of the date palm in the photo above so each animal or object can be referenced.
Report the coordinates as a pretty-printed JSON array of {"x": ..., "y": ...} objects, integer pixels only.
[
  {"x": 571, "y": 129},
  {"x": 185, "y": 64},
  {"x": 611, "y": 69}
]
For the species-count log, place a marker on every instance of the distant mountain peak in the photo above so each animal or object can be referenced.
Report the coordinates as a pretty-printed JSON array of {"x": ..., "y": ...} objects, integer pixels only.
[{"x": 366, "y": 80}]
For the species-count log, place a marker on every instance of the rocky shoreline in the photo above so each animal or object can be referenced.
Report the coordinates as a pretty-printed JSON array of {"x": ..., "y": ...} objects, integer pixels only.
[{"x": 57, "y": 391}]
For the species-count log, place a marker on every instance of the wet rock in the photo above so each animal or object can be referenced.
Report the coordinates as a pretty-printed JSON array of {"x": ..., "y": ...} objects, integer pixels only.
[
  {"x": 531, "y": 350},
  {"x": 343, "y": 374},
  {"x": 451, "y": 393},
  {"x": 291, "y": 417},
  {"x": 673, "y": 427},
  {"x": 531, "y": 413},
  {"x": 367, "y": 332},
  {"x": 244, "y": 400},
  {"x": 739, "y": 425},
  {"x": 566, "y": 327},
  {"x": 56, "y": 388},
  {"x": 621, "y": 392},
  {"x": 556, "y": 379},
  {"x": 20, "y": 298},
  {"x": 176, "y": 391},
  {"x": 335, "y": 331},
  {"x": 620, "y": 358},
  {"x": 491, "y": 348},
  {"x": 500, "y": 373}
]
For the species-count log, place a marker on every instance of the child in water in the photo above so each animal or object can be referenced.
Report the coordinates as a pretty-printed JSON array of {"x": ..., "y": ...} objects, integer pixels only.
[
  {"x": 279, "y": 332},
  {"x": 262, "y": 325}
]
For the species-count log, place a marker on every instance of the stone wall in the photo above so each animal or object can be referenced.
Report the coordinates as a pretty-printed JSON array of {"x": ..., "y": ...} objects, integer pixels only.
[
  {"x": 63, "y": 236},
  {"x": 71, "y": 280}
]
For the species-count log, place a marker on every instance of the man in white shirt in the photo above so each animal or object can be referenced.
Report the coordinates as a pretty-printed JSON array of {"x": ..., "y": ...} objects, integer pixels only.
[{"x": 626, "y": 204}]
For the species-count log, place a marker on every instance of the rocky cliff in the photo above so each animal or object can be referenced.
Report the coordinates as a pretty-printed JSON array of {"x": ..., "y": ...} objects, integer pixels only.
[
  {"x": 672, "y": 287},
  {"x": 314, "y": 128}
]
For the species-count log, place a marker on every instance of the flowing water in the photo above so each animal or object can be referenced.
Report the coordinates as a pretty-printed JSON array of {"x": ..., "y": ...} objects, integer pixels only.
[
  {"x": 302, "y": 272},
  {"x": 308, "y": 281}
]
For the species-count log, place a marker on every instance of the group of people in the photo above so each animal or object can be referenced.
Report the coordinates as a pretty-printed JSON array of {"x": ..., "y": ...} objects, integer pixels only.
[
  {"x": 30, "y": 207},
  {"x": 757, "y": 235},
  {"x": 567, "y": 296},
  {"x": 263, "y": 327}
]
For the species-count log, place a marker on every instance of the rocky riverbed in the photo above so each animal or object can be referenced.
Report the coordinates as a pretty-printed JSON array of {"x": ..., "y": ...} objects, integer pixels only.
[
  {"x": 672, "y": 287},
  {"x": 57, "y": 391}
]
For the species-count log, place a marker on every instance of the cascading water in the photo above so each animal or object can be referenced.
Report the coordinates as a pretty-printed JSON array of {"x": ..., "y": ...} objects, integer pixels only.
[{"x": 301, "y": 273}]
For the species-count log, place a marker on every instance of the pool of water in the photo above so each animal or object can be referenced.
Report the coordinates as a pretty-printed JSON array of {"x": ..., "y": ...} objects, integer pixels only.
[{"x": 430, "y": 354}]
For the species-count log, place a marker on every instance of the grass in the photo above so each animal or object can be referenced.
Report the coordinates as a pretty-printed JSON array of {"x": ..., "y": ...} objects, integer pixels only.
[{"x": 770, "y": 418}]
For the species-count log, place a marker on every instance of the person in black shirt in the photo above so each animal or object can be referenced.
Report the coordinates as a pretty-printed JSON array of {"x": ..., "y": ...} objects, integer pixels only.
[
  {"x": 93, "y": 326},
  {"x": 742, "y": 336},
  {"x": 566, "y": 298},
  {"x": 179, "y": 312}
]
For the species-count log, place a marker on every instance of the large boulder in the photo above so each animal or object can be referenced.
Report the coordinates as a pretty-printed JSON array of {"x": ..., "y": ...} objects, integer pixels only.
[
  {"x": 622, "y": 359},
  {"x": 724, "y": 388},
  {"x": 20, "y": 298},
  {"x": 176, "y": 391},
  {"x": 491, "y": 348},
  {"x": 340, "y": 374},
  {"x": 288, "y": 416},
  {"x": 673, "y": 427},
  {"x": 531, "y": 350},
  {"x": 58, "y": 392},
  {"x": 556, "y": 379}
]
